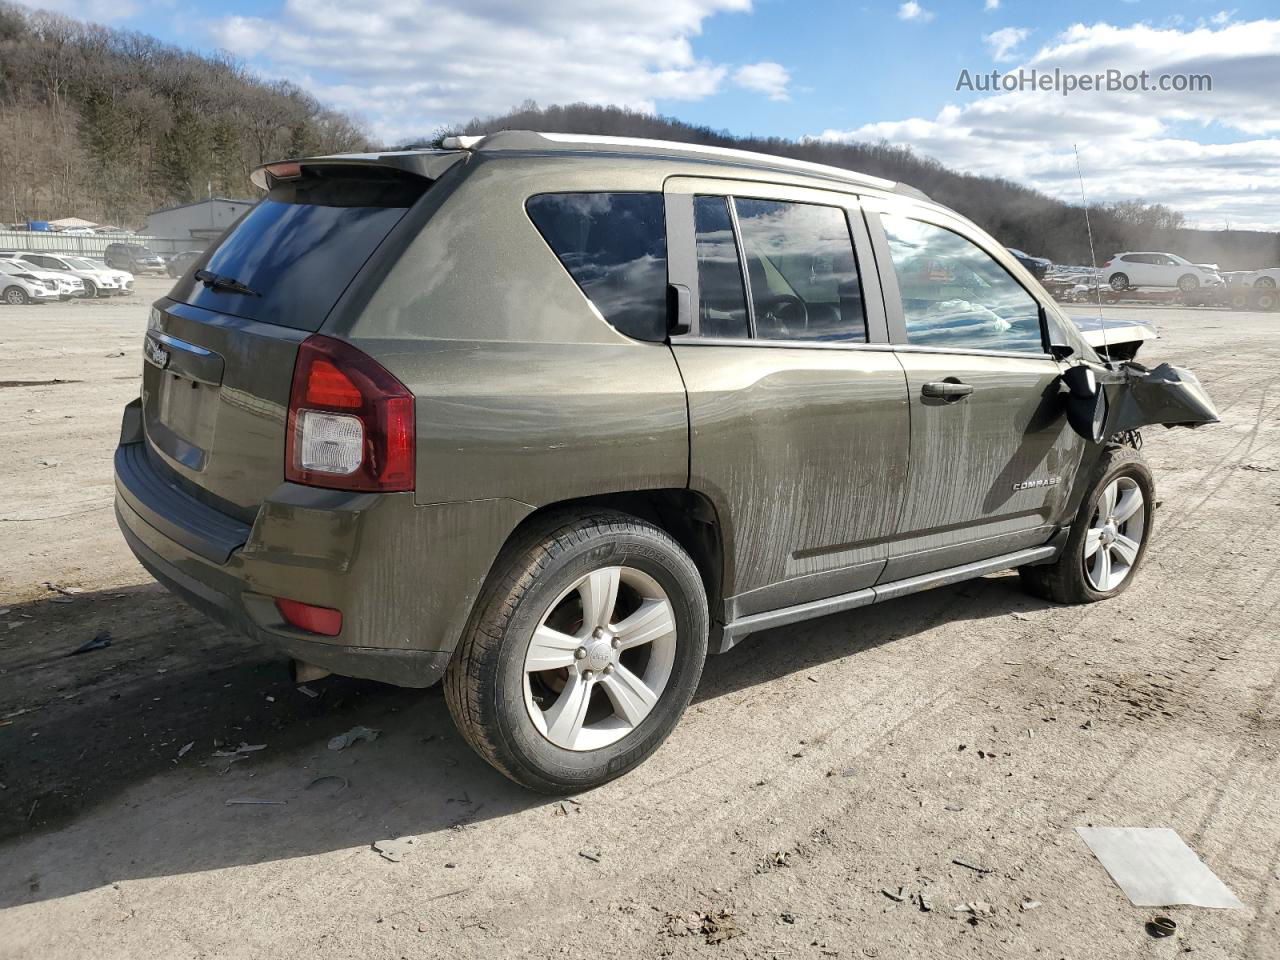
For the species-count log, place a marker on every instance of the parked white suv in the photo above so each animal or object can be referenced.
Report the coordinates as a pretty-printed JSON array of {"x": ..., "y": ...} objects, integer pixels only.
[
  {"x": 18, "y": 285},
  {"x": 68, "y": 284},
  {"x": 98, "y": 279},
  {"x": 1125, "y": 271}
]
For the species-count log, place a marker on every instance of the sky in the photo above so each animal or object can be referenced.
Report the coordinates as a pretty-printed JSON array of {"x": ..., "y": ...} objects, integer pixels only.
[{"x": 888, "y": 70}]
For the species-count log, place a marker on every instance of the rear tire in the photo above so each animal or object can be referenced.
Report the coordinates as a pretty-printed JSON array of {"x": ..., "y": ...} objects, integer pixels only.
[
  {"x": 1266, "y": 298},
  {"x": 1119, "y": 282},
  {"x": 513, "y": 712},
  {"x": 16, "y": 296},
  {"x": 1076, "y": 577}
]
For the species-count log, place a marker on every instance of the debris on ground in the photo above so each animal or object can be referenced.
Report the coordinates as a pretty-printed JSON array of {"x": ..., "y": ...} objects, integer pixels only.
[
  {"x": 395, "y": 849},
  {"x": 594, "y": 857},
  {"x": 186, "y": 749},
  {"x": 1155, "y": 868},
  {"x": 65, "y": 591},
  {"x": 1160, "y": 927},
  {"x": 899, "y": 895},
  {"x": 254, "y": 801},
  {"x": 340, "y": 783},
  {"x": 242, "y": 749},
  {"x": 720, "y": 926},
  {"x": 307, "y": 691},
  {"x": 1030, "y": 905},
  {"x": 787, "y": 917},
  {"x": 926, "y": 903},
  {"x": 100, "y": 640},
  {"x": 352, "y": 737},
  {"x": 48, "y": 462},
  {"x": 978, "y": 908},
  {"x": 971, "y": 866}
]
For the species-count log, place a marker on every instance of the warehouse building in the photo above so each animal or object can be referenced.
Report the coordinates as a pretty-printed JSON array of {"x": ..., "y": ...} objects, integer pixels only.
[{"x": 194, "y": 226}]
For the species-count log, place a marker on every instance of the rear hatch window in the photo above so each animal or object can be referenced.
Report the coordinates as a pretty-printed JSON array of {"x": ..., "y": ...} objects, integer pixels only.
[{"x": 288, "y": 260}]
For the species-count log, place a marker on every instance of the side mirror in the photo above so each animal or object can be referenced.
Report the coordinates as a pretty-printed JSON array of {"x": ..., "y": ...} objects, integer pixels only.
[
  {"x": 1086, "y": 402},
  {"x": 679, "y": 309},
  {"x": 1061, "y": 351}
]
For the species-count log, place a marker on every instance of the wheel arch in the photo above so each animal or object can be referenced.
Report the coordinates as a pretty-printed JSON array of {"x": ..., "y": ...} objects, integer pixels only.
[{"x": 686, "y": 515}]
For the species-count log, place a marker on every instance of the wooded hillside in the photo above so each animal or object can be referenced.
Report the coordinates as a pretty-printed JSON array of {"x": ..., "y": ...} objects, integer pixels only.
[
  {"x": 108, "y": 124},
  {"x": 1017, "y": 215}
]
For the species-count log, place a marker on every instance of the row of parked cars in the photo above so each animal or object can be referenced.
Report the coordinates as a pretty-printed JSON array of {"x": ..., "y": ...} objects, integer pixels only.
[{"x": 27, "y": 277}]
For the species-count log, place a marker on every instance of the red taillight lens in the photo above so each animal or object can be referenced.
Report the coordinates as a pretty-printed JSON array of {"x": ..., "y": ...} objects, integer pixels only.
[
  {"x": 1107, "y": 264},
  {"x": 351, "y": 423},
  {"x": 305, "y": 616}
]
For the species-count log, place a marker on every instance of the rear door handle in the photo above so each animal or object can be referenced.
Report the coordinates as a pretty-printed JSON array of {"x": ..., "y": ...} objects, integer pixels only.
[{"x": 950, "y": 390}]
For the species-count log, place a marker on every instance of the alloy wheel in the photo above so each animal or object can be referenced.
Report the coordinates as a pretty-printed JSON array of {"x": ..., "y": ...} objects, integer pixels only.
[
  {"x": 1115, "y": 533},
  {"x": 600, "y": 658}
]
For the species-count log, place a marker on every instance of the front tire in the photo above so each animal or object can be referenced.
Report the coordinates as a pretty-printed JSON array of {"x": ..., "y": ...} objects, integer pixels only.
[
  {"x": 583, "y": 651},
  {"x": 1119, "y": 282},
  {"x": 90, "y": 290},
  {"x": 16, "y": 296},
  {"x": 1187, "y": 283},
  {"x": 1109, "y": 536},
  {"x": 1264, "y": 282}
]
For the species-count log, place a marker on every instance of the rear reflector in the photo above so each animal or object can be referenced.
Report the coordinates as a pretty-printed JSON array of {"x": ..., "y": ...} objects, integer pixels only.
[
  {"x": 351, "y": 423},
  {"x": 304, "y": 616}
]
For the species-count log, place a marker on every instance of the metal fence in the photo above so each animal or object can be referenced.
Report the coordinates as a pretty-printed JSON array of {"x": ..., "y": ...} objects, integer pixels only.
[{"x": 84, "y": 245}]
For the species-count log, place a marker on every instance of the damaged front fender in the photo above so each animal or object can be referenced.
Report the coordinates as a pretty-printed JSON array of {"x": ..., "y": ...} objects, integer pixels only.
[
  {"x": 1167, "y": 395},
  {"x": 1104, "y": 402}
]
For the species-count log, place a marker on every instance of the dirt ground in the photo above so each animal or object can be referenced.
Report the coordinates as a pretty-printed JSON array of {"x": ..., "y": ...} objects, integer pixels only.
[{"x": 820, "y": 766}]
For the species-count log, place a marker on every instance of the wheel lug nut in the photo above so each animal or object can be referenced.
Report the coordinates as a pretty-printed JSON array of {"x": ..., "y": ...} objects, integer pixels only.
[
  {"x": 580, "y": 653},
  {"x": 608, "y": 669},
  {"x": 617, "y": 643},
  {"x": 586, "y": 674}
]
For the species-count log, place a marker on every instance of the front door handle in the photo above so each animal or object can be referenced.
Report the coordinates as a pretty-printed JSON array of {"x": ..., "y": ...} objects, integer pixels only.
[{"x": 948, "y": 390}]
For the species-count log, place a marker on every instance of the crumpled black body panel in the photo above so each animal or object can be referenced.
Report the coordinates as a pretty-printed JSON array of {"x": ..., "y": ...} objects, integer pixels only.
[{"x": 1168, "y": 395}]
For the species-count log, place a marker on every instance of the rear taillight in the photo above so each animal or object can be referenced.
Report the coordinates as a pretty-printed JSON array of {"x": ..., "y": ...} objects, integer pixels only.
[
  {"x": 350, "y": 421},
  {"x": 1107, "y": 264}
]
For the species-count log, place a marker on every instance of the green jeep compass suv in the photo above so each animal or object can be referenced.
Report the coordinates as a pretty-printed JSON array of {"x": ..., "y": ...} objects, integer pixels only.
[{"x": 552, "y": 417}]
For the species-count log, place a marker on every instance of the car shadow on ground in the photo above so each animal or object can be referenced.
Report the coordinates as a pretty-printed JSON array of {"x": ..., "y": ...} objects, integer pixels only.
[{"x": 77, "y": 731}]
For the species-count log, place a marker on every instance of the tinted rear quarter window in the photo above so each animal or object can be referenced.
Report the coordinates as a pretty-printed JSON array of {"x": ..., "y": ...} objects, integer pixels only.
[
  {"x": 302, "y": 244},
  {"x": 614, "y": 245}
]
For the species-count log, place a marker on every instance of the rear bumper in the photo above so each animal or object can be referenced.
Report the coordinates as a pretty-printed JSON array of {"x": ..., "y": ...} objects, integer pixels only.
[
  {"x": 222, "y": 597},
  {"x": 404, "y": 576}
]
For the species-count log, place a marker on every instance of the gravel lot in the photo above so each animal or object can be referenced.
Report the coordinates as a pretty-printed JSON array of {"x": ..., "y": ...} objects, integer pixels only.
[{"x": 819, "y": 766}]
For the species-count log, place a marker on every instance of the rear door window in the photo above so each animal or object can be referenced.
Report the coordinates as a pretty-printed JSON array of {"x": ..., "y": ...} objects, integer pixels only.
[
  {"x": 301, "y": 245},
  {"x": 955, "y": 295},
  {"x": 803, "y": 275},
  {"x": 614, "y": 245}
]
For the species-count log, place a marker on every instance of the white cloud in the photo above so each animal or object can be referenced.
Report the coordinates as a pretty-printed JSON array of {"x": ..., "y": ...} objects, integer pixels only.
[
  {"x": 765, "y": 77},
  {"x": 414, "y": 65},
  {"x": 913, "y": 11},
  {"x": 1004, "y": 43},
  {"x": 991, "y": 5},
  {"x": 99, "y": 11},
  {"x": 1132, "y": 145}
]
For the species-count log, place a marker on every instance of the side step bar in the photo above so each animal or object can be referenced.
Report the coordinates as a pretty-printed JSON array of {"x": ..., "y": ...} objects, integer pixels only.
[{"x": 739, "y": 629}]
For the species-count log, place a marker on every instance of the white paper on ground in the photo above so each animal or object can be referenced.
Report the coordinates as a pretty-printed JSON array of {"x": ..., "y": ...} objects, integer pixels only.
[{"x": 1155, "y": 868}]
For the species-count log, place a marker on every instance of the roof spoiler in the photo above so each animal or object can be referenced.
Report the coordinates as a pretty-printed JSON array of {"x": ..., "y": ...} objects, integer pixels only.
[{"x": 429, "y": 164}]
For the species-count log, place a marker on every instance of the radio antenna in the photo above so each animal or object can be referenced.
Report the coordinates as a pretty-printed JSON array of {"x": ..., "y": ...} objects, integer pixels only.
[{"x": 1093, "y": 256}]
